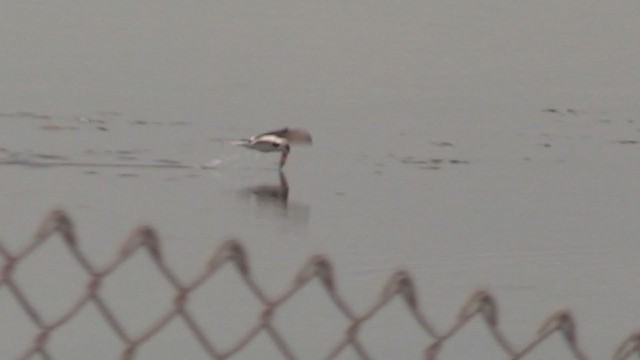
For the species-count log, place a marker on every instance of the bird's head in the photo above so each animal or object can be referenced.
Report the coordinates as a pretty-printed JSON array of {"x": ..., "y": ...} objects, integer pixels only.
[{"x": 285, "y": 154}]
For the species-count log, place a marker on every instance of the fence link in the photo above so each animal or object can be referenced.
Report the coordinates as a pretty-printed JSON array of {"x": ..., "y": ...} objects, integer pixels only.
[{"x": 231, "y": 253}]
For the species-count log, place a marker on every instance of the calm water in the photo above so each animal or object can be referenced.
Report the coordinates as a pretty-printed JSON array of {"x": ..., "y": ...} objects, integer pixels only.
[{"x": 476, "y": 144}]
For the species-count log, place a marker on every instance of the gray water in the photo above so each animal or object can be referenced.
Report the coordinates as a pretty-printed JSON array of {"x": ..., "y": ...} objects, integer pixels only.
[{"x": 476, "y": 144}]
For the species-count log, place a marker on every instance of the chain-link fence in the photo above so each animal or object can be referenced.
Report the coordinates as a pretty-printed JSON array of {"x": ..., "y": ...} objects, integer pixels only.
[{"x": 318, "y": 271}]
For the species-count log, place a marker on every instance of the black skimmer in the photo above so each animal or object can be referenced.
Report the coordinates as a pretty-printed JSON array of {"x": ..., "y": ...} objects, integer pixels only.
[{"x": 276, "y": 141}]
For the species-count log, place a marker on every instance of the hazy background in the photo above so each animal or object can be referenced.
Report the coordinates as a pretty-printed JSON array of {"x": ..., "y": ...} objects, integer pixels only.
[{"x": 477, "y": 144}]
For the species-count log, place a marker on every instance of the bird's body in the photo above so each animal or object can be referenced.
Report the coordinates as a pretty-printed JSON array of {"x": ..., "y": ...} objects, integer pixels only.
[
  {"x": 263, "y": 143},
  {"x": 276, "y": 141}
]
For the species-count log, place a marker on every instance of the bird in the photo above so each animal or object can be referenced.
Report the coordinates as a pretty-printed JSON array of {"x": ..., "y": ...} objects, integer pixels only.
[{"x": 279, "y": 140}]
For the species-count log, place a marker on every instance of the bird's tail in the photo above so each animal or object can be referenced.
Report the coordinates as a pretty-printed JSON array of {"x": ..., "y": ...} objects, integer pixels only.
[{"x": 236, "y": 142}]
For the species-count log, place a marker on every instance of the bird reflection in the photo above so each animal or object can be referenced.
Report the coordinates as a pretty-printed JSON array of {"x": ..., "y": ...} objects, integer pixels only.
[
  {"x": 270, "y": 194},
  {"x": 276, "y": 196}
]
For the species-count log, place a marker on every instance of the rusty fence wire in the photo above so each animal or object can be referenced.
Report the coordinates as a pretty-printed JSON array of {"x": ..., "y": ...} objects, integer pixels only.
[{"x": 317, "y": 270}]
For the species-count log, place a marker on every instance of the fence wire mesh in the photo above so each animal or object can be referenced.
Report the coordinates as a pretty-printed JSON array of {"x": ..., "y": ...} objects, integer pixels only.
[{"x": 231, "y": 253}]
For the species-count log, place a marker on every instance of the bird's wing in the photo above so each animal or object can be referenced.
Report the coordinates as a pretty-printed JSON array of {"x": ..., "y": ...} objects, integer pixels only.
[
  {"x": 293, "y": 135},
  {"x": 279, "y": 132}
]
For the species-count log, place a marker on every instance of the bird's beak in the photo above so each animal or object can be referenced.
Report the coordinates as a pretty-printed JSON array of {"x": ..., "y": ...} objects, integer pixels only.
[{"x": 283, "y": 158}]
